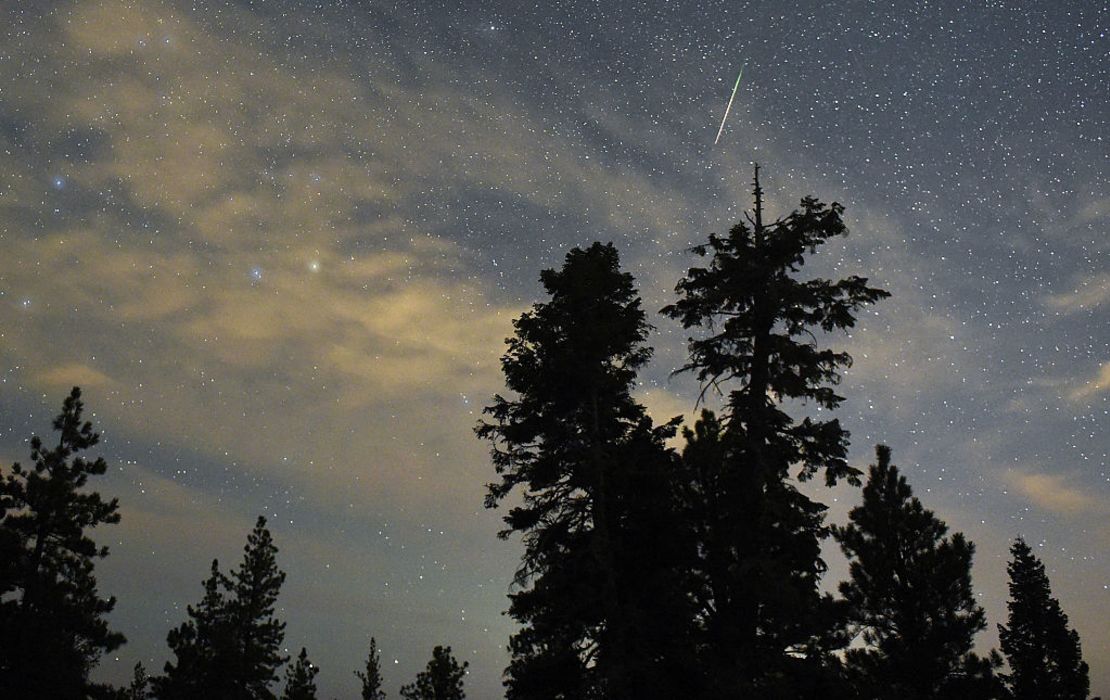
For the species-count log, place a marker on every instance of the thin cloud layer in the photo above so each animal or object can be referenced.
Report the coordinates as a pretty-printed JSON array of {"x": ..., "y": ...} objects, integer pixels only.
[
  {"x": 1099, "y": 384},
  {"x": 1054, "y": 494},
  {"x": 253, "y": 271}
]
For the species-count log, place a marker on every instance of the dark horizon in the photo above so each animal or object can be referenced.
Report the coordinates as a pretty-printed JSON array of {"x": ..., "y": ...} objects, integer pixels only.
[{"x": 279, "y": 250}]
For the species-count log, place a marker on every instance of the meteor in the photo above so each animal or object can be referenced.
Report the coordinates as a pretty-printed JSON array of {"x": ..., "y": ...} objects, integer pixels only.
[{"x": 734, "y": 87}]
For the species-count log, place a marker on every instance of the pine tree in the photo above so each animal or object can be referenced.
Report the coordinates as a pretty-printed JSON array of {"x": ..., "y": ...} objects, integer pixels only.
[
  {"x": 766, "y": 626},
  {"x": 230, "y": 645},
  {"x": 1043, "y": 652},
  {"x": 255, "y": 586},
  {"x": 910, "y": 596},
  {"x": 202, "y": 646},
  {"x": 650, "y": 619},
  {"x": 703, "y": 504},
  {"x": 300, "y": 679},
  {"x": 52, "y": 618},
  {"x": 441, "y": 680},
  {"x": 593, "y": 473},
  {"x": 140, "y": 684},
  {"x": 372, "y": 677}
]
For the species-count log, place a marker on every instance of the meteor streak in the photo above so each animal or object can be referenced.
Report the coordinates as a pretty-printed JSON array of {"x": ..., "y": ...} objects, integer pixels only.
[{"x": 734, "y": 87}]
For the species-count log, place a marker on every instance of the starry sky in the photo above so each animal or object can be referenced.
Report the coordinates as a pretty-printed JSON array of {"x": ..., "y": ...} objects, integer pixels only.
[{"x": 279, "y": 246}]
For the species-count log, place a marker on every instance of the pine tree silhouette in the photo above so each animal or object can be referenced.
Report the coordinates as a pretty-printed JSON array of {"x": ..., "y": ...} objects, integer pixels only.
[
  {"x": 766, "y": 628},
  {"x": 203, "y": 647},
  {"x": 300, "y": 679},
  {"x": 596, "y": 583},
  {"x": 441, "y": 680},
  {"x": 230, "y": 645},
  {"x": 255, "y": 586},
  {"x": 910, "y": 596},
  {"x": 52, "y": 618},
  {"x": 140, "y": 684},
  {"x": 1043, "y": 652},
  {"x": 372, "y": 677}
]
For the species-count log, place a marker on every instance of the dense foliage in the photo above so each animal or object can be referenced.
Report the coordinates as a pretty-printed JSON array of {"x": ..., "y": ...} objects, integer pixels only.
[
  {"x": 441, "y": 680},
  {"x": 53, "y": 626},
  {"x": 230, "y": 646},
  {"x": 300, "y": 679},
  {"x": 598, "y": 609},
  {"x": 766, "y": 629},
  {"x": 910, "y": 597},
  {"x": 1042, "y": 650}
]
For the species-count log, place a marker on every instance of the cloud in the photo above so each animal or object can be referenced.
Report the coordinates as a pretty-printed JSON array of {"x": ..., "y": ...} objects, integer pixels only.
[
  {"x": 262, "y": 268},
  {"x": 1096, "y": 385},
  {"x": 251, "y": 279},
  {"x": 663, "y": 405},
  {"x": 1051, "y": 492},
  {"x": 73, "y": 374},
  {"x": 1093, "y": 210},
  {"x": 1089, "y": 293}
]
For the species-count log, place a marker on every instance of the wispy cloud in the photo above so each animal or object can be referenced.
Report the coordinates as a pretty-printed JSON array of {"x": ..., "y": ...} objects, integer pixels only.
[
  {"x": 1093, "y": 386},
  {"x": 253, "y": 241},
  {"x": 1088, "y": 293},
  {"x": 1054, "y": 493},
  {"x": 73, "y": 374}
]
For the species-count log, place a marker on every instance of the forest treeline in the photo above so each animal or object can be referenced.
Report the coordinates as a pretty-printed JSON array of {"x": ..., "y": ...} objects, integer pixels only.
[
  {"x": 53, "y": 626},
  {"x": 648, "y": 571}
]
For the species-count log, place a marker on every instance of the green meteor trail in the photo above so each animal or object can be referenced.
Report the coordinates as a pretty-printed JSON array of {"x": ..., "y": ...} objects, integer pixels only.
[{"x": 734, "y": 87}]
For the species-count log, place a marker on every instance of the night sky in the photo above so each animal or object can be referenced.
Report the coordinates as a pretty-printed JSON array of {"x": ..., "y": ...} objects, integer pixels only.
[{"x": 279, "y": 246}]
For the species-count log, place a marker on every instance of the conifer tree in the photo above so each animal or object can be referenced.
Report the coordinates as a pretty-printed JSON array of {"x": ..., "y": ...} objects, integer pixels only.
[
  {"x": 372, "y": 677},
  {"x": 300, "y": 679},
  {"x": 202, "y": 645},
  {"x": 765, "y": 624},
  {"x": 255, "y": 586},
  {"x": 441, "y": 680},
  {"x": 910, "y": 596},
  {"x": 650, "y": 617},
  {"x": 140, "y": 684},
  {"x": 52, "y": 618},
  {"x": 230, "y": 645},
  {"x": 593, "y": 474},
  {"x": 1043, "y": 652}
]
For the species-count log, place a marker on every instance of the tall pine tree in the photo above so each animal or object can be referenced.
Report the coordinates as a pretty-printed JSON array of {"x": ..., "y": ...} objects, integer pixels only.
[
  {"x": 594, "y": 476},
  {"x": 202, "y": 646},
  {"x": 139, "y": 689},
  {"x": 910, "y": 596},
  {"x": 766, "y": 626},
  {"x": 1043, "y": 652},
  {"x": 52, "y": 618},
  {"x": 300, "y": 679},
  {"x": 230, "y": 647},
  {"x": 255, "y": 586},
  {"x": 371, "y": 678},
  {"x": 441, "y": 680}
]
